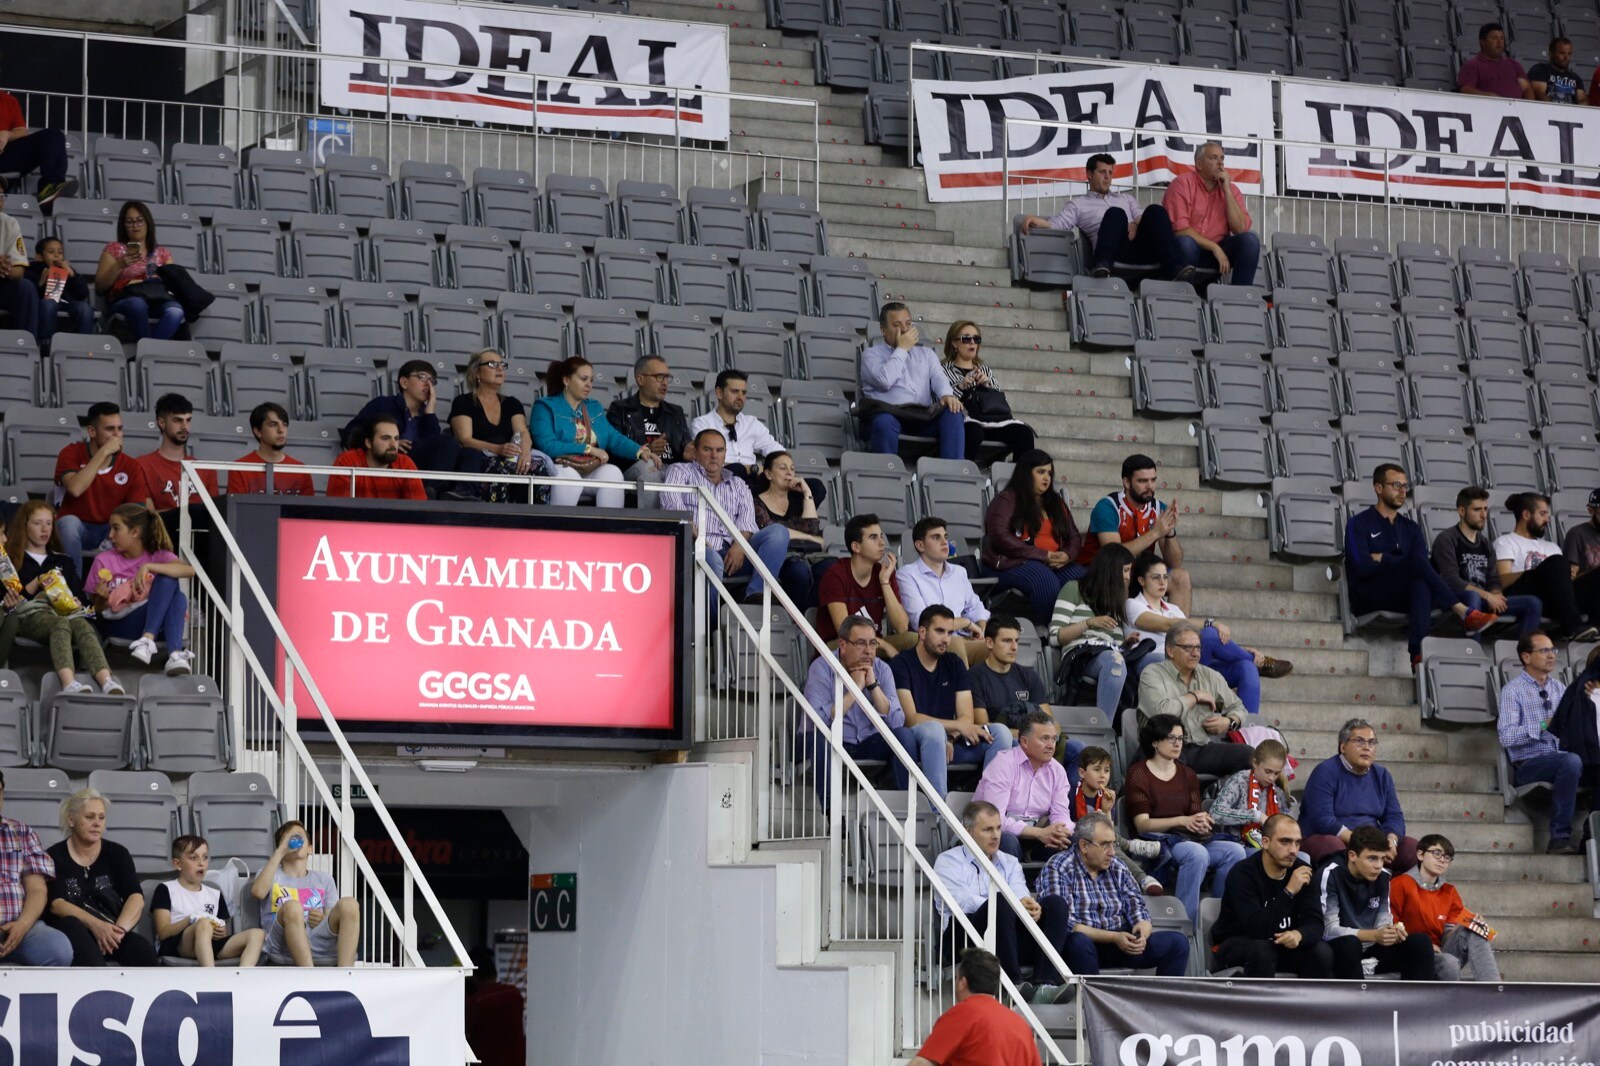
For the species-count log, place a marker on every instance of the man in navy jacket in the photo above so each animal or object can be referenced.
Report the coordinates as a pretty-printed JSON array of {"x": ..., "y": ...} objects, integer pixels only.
[
  {"x": 422, "y": 438},
  {"x": 1387, "y": 567}
]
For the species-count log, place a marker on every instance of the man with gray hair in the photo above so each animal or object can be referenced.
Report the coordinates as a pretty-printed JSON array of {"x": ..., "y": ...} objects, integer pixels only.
[
  {"x": 1349, "y": 791},
  {"x": 1197, "y": 695},
  {"x": 1210, "y": 226},
  {"x": 1095, "y": 914},
  {"x": 1030, "y": 790},
  {"x": 969, "y": 886},
  {"x": 647, "y": 417}
]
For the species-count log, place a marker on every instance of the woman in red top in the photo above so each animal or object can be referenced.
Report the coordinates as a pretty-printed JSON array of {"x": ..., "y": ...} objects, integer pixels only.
[
  {"x": 1030, "y": 538},
  {"x": 127, "y": 276}
]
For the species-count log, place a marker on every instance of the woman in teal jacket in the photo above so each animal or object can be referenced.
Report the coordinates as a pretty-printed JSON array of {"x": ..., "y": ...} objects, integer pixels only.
[{"x": 572, "y": 429}]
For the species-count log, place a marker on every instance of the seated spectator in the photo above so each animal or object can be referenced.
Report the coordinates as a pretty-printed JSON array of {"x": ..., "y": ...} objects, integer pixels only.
[
  {"x": 933, "y": 687},
  {"x": 1149, "y": 615},
  {"x": 1386, "y": 566},
  {"x": 1087, "y": 625},
  {"x": 1030, "y": 790},
  {"x": 1581, "y": 546},
  {"x": 748, "y": 440},
  {"x": 1117, "y": 227},
  {"x": 191, "y": 918},
  {"x": 1575, "y": 724},
  {"x": 34, "y": 551},
  {"x": 1093, "y": 792},
  {"x": 857, "y": 653},
  {"x": 1527, "y": 705},
  {"x": 96, "y": 477},
  {"x": 1350, "y": 791},
  {"x": 19, "y": 298},
  {"x": 128, "y": 277},
  {"x": 785, "y": 498},
  {"x": 1357, "y": 923},
  {"x": 1031, "y": 539},
  {"x": 163, "y": 468},
  {"x": 932, "y": 578},
  {"x": 134, "y": 588},
  {"x": 95, "y": 898},
  {"x": 1271, "y": 920},
  {"x": 969, "y": 885},
  {"x": 1424, "y": 901},
  {"x": 379, "y": 450},
  {"x": 1164, "y": 799},
  {"x": 1528, "y": 561},
  {"x": 1095, "y": 915},
  {"x": 1005, "y": 691},
  {"x": 24, "y": 150},
  {"x": 306, "y": 921},
  {"x": 25, "y": 875},
  {"x": 1491, "y": 72},
  {"x": 647, "y": 417},
  {"x": 864, "y": 585},
  {"x": 1248, "y": 799},
  {"x": 62, "y": 291},
  {"x": 904, "y": 389},
  {"x": 415, "y": 409},
  {"x": 1210, "y": 224},
  {"x": 988, "y": 413},
  {"x": 1461, "y": 555},
  {"x": 492, "y": 431},
  {"x": 1144, "y": 525},
  {"x": 572, "y": 429},
  {"x": 1554, "y": 80},
  {"x": 979, "y": 1029},
  {"x": 1182, "y": 686},
  {"x": 723, "y": 555},
  {"x": 1594, "y": 89},
  {"x": 269, "y": 424}
]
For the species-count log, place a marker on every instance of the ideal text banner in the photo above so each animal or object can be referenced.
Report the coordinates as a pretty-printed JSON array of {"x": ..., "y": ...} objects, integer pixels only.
[
  {"x": 959, "y": 128},
  {"x": 1179, "y": 1021},
  {"x": 1563, "y": 139},
  {"x": 507, "y": 43}
]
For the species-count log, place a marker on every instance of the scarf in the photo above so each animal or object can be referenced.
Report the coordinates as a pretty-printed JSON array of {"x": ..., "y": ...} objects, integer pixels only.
[
  {"x": 1080, "y": 804},
  {"x": 1133, "y": 524},
  {"x": 1255, "y": 788}
]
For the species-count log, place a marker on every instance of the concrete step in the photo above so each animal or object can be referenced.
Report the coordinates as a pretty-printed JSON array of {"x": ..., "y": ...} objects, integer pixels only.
[
  {"x": 746, "y": 15},
  {"x": 1547, "y": 966},
  {"x": 760, "y": 84},
  {"x": 1321, "y": 738},
  {"x": 861, "y": 192},
  {"x": 883, "y": 177},
  {"x": 758, "y": 143},
  {"x": 1476, "y": 838},
  {"x": 913, "y": 244},
  {"x": 1110, "y": 423},
  {"x": 1265, "y": 576},
  {"x": 1485, "y": 808},
  {"x": 831, "y": 116},
  {"x": 847, "y": 237},
  {"x": 1570, "y": 936},
  {"x": 789, "y": 53},
  {"x": 794, "y": 128},
  {"x": 1312, "y": 665},
  {"x": 958, "y": 290},
  {"x": 993, "y": 281},
  {"x": 1352, "y": 695},
  {"x": 1247, "y": 608},
  {"x": 1500, "y": 899},
  {"x": 871, "y": 214},
  {"x": 1084, "y": 459},
  {"x": 1048, "y": 380},
  {"x": 769, "y": 38},
  {"x": 1393, "y": 723},
  {"x": 1431, "y": 777}
]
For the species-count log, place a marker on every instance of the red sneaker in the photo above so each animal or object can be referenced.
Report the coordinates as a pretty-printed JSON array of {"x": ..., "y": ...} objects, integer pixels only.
[{"x": 1476, "y": 622}]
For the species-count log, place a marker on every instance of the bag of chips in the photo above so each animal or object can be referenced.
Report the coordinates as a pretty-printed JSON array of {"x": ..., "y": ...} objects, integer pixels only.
[
  {"x": 9, "y": 577},
  {"x": 59, "y": 593}
]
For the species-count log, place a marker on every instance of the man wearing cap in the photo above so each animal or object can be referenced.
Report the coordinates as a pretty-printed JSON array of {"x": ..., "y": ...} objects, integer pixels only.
[{"x": 1582, "y": 550}]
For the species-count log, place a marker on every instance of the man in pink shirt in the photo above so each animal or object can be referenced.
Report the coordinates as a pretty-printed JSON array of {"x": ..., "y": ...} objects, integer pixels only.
[
  {"x": 1030, "y": 790},
  {"x": 1209, "y": 222},
  {"x": 1491, "y": 72}
]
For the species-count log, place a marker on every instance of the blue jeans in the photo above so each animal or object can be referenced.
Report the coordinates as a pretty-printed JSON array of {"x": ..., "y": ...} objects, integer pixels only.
[
  {"x": 42, "y": 946},
  {"x": 925, "y": 743},
  {"x": 1527, "y": 610},
  {"x": 1563, "y": 770},
  {"x": 948, "y": 426},
  {"x": 1193, "y": 859},
  {"x": 1167, "y": 950},
  {"x": 772, "y": 544},
  {"x": 80, "y": 318},
  {"x": 1040, "y": 583},
  {"x": 1237, "y": 667},
  {"x": 982, "y": 752},
  {"x": 162, "y": 614},
  {"x": 136, "y": 311},
  {"x": 1110, "y": 673},
  {"x": 78, "y": 536},
  {"x": 1242, "y": 249}
]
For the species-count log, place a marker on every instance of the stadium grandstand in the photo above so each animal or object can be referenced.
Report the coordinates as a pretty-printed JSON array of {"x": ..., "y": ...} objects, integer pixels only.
[{"x": 724, "y": 395}]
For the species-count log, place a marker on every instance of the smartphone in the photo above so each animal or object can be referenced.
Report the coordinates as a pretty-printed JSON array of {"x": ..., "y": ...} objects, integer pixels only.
[{"x": 135, "y": 248}]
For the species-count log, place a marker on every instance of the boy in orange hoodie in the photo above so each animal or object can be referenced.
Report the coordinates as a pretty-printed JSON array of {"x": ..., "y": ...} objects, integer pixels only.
[{"x": 1424, "y": 902}]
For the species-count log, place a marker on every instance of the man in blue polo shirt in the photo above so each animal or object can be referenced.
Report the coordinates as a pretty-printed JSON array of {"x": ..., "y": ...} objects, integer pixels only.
[{"x": 933, "y": 686}]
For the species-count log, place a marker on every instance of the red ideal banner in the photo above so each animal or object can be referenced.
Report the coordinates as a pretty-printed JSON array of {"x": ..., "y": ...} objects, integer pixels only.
[{"x": 400, "y": 622}]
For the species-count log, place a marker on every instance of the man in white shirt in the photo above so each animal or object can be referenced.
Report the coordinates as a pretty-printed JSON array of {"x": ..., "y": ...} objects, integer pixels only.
[
  {"x": 748, "y": 440},
  {"x": 900, "y": 374},
  {"x": 1530, "y": 564},
  {"x": 18, "y": 295},
  {"x": 1117, "y": 227},
  {"x": 969, "y": 887},
  {"x": 932, "y": 578}
]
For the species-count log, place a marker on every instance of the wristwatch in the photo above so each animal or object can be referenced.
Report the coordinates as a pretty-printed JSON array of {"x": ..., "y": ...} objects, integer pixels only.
[
  {"x": 1209, "y": 623},
  {"x": 870, "y": 687}
]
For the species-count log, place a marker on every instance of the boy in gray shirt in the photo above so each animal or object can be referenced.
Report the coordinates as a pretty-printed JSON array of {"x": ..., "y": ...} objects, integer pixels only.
[{"x": 306, "y": 921}]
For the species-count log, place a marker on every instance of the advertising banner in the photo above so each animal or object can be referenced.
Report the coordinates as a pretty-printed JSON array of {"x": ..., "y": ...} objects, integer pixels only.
[
  {"x": 960, "y": 124},
  {"x": 1330, "y": 113},
  {"x": 277, "y": 1016},
  {"x": 1170, "y": 1022},
  {"x": 402, "y": 622},
  {"x": 505, "y": 44}
]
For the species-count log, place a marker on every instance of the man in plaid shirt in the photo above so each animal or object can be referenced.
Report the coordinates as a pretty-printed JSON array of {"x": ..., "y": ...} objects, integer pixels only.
[
  {"x": 24, "y": 869},
  {"x": 1094, "y": 911}
]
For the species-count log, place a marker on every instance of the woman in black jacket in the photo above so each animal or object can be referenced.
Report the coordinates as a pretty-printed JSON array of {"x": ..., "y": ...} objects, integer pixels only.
[
  {"x": 95, "y": 897},
  {"x": 1574, "y": 721}
]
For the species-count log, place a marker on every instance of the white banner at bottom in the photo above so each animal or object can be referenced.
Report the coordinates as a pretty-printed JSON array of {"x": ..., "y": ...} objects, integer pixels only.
[{"x": 267, "y": 1016}]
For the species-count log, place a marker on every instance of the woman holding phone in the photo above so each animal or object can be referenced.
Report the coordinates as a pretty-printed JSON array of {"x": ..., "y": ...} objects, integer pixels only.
[{"x": 127, "y": 276}]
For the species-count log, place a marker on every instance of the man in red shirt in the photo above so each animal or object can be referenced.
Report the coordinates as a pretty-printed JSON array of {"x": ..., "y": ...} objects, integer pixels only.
[
  {"x": 1491, "y": 72},
  {"x": 96, "y": 477},
  {"x": 270, "y": 424},
  {"x": 23, "y": 150},
  {"x": 162, "y": 470},
  {"x": 380, "y": 450},
  {"x": 979, "y": 1030},
  {"x": 1209, "y": 221}
]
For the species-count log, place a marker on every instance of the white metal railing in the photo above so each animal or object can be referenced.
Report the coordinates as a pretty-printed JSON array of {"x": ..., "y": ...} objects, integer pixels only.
[{"x": 749, "y": 675}]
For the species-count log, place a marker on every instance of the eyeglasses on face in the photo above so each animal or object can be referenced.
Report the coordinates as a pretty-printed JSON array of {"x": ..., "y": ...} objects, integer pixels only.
[
  {"x": 664, "y": 378},
  {"x": 1103, "y": 845},
  {"x": 492, "y": 364},
  {"x": 862, "y": 644},
  {"x": 1172, "y": 738},
  {"x": 1398, "y": 486},
  {"x": 1187, "y": 647},
  {"x": 969, "y": 338},
  {"x": 1159, "y": 575},
  {"x": 1446, "y": 857},
  {"x": 1364, "y": 742}
]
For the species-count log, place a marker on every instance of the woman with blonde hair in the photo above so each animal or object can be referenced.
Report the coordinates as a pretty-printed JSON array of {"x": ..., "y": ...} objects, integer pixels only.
[
  {"x": 134, "y": 584},
  {"x": 492, "y": 429},
  {"x": 988, "y": 413},
  {"x": 95, "y": 898}
]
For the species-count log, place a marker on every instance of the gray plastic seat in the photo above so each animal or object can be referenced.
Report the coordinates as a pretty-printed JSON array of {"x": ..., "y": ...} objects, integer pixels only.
[
  {"x": 356, "y": 186},
  {"x": 825, "y": 350},
  {"x": 160, "y": 367},
  {"x": 1264, "y": 45},
  {"x": 1568, "y": 461},
  {"x": 1369, "y": 440},
  {"x": 1045, "y": 257},
  {"x": 1589, "y": 282},
  {"x": 1438, "y": 396},
  {"x": 325, "y": 248},
  {"x": 244, "y": 244},
  {"x": 845, "y": 57},
  {"x": 1504, "y": 458},
  {"x": 1428, "y": 64},
  {"x": 1561, "y": 396},
  {"x": 1545, "y": 280},
  {"x": 1152, "y": 34},
  {"x": 885, "y": 115},
  {"x": 1301, "y": 262},
  {"x": 1320, "y": 55},
  {"x": 1557, "y": 337},
  {"x": 1303, "y": 524},
  {"x": 1038, "y": 24},
  {"x": 1102, "y": 312},
  {"x": 506, "y": 200},
  {"x": 686, "y": 338},
  {"x": 1209, "y": 41},
  {"x": 953, "y": 489},
  {"x": 799, "y": 16},
  {"x": 86, "y": 369},
  {"x": 34, "y": 436},
  {"x": 700, "y": 277},
  {"x": 1236, "y": 315},
  {"x": 877, "y": 484},
  {"x": 449, "y": 321},
  {"x": 1375, "y": 56},
  {"x": 1302, "y": 381},
  {"x": 179, "y": 228},
  {"x": 1371, "y": 391},
  {"x": 625, "y": 271},
  {"x": 530, "y": 323},
  {"x": 1487, "y": 276},
  {"x": 373, "y": 315},
  {"x": 867, "y": 14},
  {"x": 843, "y": 288},
  {"x": 435, "y": 194},
  {"x": 1441, "y": 458},
  {"x": 1095, "y": 31},
  {"x": 895, "y": 58},
  {"x": 1302, "y": 319},
  {"x": 1498, "y": 393},
  {"x": 1170, "y": 310},
  {"x": 1426, "y": 270},
  {"x": 22, "y": 374},
  {"x": 553, "y": 265},
  {"x": 183, "y": 726},
  {"x": 787, "y": 223},
  {"x": 717, "y": 218},
  {"x": 293, "y": 311},
  {"x": 606, "y": 334},
  {"x": 1366, "y": 324},
  {"x": 236, "y": 813},
  {"x": 1234, "y": 449},
  {"x": 773, "y": 282},
  {"x": 756, "y": 343},
  {"x": 1363, "y": 265},
  {"x": 1238, "y": 382},
  {"x": 1166, "y": 379},
  {"x": 577, "y": 206},
  {"x": 1494, "y": 331},
  {"x": 279, "y": 181},
  {"x": 336, "y": 383},
  {"x": 85, "y": 731},
  {"x": 403, "y": 254},
  {"x": 1454, "y": 681},
  {"x": 147, "y": 814},
  {"x": 251, "y": 374},
  {"x": 479, "y": 260},
  {"x": 646, "y": 211},
  {"x": 204, "y": 176},
  {"x": 1307, "y": 450},
  {"x": 1432, "y": 329},
  {"x": 17, "y": 724},
  {"x": 815, "y": 418},
  {"x": 34, "y": 798}
]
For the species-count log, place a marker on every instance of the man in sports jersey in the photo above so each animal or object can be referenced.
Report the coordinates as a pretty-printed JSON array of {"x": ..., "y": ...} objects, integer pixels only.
[
  {"x": 1139, "y": 522},
  {"x": 96, "y": 477},
  {"x": 163, "y": 467},
  {"x": 270, "y": 424}
]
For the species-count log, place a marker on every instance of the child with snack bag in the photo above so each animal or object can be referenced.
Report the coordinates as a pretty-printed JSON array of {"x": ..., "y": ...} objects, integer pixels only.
[
  {"x": 135, "y": 587},
  {"x": 61, "y": 288},
  {"x": 42, "y": 603},
  {"x": 1424, "y": 901}
]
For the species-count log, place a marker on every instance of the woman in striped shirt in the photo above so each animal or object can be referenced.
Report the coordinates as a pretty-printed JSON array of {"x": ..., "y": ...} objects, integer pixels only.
[
  {"x": 967, "y": 371},
  {"x": 1088, "y": 614}
]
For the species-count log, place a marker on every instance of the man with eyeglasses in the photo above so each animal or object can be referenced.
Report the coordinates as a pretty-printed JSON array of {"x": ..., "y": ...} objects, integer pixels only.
[
  {"x": 415, "y": 409},
  {"x": 650, "y": 419},
  {"x": 1387, "y": 565},
  {"x": 1271, "y": 919},
  {"x": 1424, "y": 901},
  {"x": 1350, "y": 791},
  {"x": 1527, "y": 703},
  {"x": 1530, "y": 562},
  {"x": 748, "y": 440},
  {"x": 1196, "y": 694}
]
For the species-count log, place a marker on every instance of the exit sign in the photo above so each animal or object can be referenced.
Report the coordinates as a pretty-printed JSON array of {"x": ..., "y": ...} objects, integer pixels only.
[{"x": 553, "y": 903}]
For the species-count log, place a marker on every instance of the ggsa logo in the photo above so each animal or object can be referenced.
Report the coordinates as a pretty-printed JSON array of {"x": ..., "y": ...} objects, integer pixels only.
[{"x": 316, "y": 1029}]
